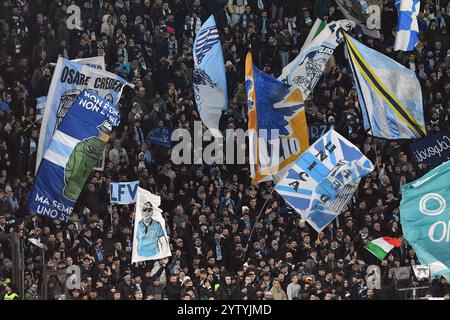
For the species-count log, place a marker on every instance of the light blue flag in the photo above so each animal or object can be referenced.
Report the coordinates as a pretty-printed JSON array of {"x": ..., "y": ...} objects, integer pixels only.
[
  {"x": 323, "y": 179},
  {"x": 69, "y": 80},
  {"x": 123, "y": 192},
  {"x": 210, "y": 84},
  {"x": 407, "y": 26},
  {"x": 425, "y": 218},
  {"x": 389, "y": 94}
]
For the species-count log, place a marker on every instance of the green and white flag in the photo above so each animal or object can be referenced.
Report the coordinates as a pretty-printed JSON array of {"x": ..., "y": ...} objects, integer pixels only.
[
  {"x": 380, "y": 247},
  {"x": 306, "y": 69},
  {"x": 316, "y": 29}
]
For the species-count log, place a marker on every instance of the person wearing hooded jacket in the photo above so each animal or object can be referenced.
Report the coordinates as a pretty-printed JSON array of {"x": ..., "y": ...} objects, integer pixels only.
[{"x": 107, "y": 26}]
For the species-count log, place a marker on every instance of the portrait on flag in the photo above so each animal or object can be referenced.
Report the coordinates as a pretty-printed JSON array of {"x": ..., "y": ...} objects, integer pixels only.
[{"x": 150, "y": 240}]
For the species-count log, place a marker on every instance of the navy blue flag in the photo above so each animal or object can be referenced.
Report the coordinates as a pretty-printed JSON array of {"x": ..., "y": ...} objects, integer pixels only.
[
  {"x": 160, "y": 136},
  {"x": 434, "y": 149},
  {"x": 74, "y": 150}
]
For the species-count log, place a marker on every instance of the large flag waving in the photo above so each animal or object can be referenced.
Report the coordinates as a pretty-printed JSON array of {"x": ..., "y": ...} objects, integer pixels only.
[
  {"x": 389, "y": 94},
  {"x": 323, "y": 179},
  {"x": 276, "y": 124},
  {"x": 424, "y": 215},
  {"x": 210, "y": 84},
  {"x": 306, "y": 69},
  {"x": 150, "y": 240},
  {"x": 69, "y": 79},
  {"x": 407, "y": 26},
  {"x": 72, "y": 154}
]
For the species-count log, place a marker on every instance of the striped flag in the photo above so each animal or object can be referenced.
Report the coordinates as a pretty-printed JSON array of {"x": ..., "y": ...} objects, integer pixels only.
[
  {"x": 407, "y": 26},
  {"x": 380, "y": 247},
  {"x": 323, "y": 179},
  {"x": 389, "y": 94}
]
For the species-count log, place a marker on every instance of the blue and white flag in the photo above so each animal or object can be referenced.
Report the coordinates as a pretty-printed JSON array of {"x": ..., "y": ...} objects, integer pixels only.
[
  {"x": 40, "y": 107},
  {"x": 123, "y": 192},
  {"x": 74, "y": 150},
  {"x": 306, "y": 69},
  {"x": 323, "y": 179},
  {"x": 424, "y": 215},
  {"x": 407, "y": 27},
  {"x": 389, "y": 94},
  {"x": 69, "y": 79},
  {"x": 210, "y": 84},
  {"x": 161, "y": 136}
]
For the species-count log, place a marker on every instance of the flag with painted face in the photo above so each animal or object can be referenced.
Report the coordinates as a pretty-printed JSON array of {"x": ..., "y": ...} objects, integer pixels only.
[
  {"x": 424, "y": 215},
  {"x": 72, "y": 154},
  {"x": 150, "y": 240},
  {"x": 68, "y": 81},
  {"x": 277, "y": 127},
  {"x": 324, "y": 178},
  {"x": 210, "y": 83}
]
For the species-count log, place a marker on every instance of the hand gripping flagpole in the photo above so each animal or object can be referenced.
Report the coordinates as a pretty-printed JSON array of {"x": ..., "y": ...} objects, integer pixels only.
[{"x": 256, "y": 221}]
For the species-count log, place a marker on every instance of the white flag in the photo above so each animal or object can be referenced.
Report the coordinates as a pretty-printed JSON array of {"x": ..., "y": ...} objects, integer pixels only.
[{"x": 150, "y": 240}]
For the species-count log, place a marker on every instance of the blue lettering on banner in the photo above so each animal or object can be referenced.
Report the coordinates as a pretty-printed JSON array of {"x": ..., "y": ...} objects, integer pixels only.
[{"x": 123, "y": 192}]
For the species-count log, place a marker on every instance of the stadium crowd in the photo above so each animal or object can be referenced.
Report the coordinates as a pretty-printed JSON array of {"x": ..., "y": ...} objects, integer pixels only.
[{"x": 210, "y": 210}]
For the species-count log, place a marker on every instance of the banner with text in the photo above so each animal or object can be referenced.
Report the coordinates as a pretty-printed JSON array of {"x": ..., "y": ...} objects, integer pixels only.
[
  {"x": 69, "y": 79},
  {"x": 123, "y": 192},
  {"x": 434, "y": 149},
  {"x": 72, "y": 154}
]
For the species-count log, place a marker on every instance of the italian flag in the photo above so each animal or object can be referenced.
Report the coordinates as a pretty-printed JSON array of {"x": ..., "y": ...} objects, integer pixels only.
[{"x": 380, "y": 247}]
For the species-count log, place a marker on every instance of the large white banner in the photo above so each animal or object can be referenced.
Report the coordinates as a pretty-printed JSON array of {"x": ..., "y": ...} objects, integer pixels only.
[
  {"x": 69, "y": 79},
  {"x": 150, "y": 240}
]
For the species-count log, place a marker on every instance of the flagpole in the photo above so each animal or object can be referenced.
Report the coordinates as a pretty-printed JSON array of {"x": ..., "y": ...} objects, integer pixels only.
[
  {"x": 256, "y": 221},
  {"x": 363, "y": 107}
]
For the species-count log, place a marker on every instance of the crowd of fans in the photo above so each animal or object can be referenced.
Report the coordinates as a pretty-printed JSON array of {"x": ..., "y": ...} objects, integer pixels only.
[{"x": 210, "y": 210}]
